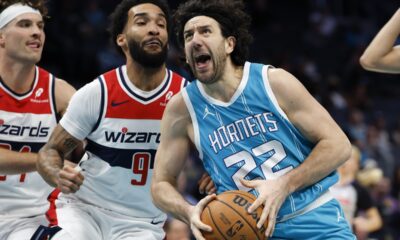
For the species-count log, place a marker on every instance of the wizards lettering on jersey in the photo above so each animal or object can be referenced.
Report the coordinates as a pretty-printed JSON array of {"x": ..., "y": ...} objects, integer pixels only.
[
  {"x": 132, "y": 137},
  {"x": 242, "y": 129},
  {"x": 31, "y": 131}
]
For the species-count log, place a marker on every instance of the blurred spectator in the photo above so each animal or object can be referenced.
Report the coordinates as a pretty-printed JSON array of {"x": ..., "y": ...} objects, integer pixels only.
[
  {"x": 358, "y": 206},
  {"x": 357, "y": 128},
  {"x": 389, "y": 208}
]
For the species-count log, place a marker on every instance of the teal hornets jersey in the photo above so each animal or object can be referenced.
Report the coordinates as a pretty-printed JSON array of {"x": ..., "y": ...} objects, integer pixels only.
[{"x": 250, "y": 137}]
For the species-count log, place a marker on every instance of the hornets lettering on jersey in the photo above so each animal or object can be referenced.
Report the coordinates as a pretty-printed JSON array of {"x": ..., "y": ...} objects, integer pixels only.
[{"x": 241, "y": 129}]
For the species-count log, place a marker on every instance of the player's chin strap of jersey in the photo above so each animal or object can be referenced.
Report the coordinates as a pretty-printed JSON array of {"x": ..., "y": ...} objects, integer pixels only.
[{"x": 45, "y": 233}]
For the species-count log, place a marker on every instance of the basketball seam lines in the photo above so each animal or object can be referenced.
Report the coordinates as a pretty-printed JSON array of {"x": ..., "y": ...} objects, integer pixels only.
[{"x": 215, "y": 224}]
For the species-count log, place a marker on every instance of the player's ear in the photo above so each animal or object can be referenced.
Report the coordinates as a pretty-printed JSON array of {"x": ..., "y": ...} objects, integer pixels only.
[
  {"x": 121, "y": 40},
  {"x": 230, "y": 43},
  {"x": 2, "y": 40}
]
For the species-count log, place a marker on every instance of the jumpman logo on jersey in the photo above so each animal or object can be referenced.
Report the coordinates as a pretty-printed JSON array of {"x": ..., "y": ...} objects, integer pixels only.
[
  {"x": 207, "y": 112},
  {"x": 339, "y": 215}
]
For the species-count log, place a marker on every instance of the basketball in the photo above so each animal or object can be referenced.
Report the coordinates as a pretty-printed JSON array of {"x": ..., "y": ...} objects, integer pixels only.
[{"x": 228, "y": 217}]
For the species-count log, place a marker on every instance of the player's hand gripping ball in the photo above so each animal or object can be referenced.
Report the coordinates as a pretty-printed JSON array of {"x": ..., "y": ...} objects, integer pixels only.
[{"x": 229, "y": 219}]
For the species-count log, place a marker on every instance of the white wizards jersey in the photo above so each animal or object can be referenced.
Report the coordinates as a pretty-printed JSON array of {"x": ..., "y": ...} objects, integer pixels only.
[
  {"x": 26, "y": 121},
  {"x": 122, "y": 141}
]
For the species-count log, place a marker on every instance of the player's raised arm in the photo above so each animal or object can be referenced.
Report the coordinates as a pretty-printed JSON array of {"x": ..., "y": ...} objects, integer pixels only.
[{"x": 382, "y": 55}]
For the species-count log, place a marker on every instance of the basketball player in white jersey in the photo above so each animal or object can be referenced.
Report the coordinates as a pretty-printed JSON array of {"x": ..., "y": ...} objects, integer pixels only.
[
  {"x": 382, "y": 55},
  {"x": 30, "y": 101},
  {"x": 119, "y": 114}
]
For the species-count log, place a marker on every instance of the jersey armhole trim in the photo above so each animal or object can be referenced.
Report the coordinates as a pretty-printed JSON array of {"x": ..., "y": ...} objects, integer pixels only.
[
  {"x": 52, "y": 95},
  {"x": 269, "y": 91},
  {"x": 102, "y": 103},
  {"x": 194, "y": 122}
]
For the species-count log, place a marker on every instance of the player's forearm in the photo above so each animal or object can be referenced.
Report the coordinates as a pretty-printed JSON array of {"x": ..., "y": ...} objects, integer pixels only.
[
  {"x": 373, "y": 220},
  {"x": 382, "y": 44},
  {"x": 16, "y": 162},
  {"x": 169, "y": 200},
  {"x": 49, "y": 165},
  {"x": 326, "y": 157}
]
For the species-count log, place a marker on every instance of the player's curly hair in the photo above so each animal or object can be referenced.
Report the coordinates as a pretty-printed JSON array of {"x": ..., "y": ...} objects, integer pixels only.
[
  {"x": 36, "y": 4},
  {"x": 230, "y": 15},
  {"x": 119, "y": 17}
]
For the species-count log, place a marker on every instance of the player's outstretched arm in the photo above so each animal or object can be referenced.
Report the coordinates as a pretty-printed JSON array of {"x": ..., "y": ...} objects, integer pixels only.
[
  {"x": 381, "y": 55},
  {"x": 12, "y": 162},
  {"x": 170, "y": 160},
  {"x": 50, "y": 163},
  {"x": 313, "y": 121}
]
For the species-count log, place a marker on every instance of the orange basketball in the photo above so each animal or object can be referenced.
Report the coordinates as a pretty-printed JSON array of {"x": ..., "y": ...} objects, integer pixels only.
[{"x": 229, "y": 219}]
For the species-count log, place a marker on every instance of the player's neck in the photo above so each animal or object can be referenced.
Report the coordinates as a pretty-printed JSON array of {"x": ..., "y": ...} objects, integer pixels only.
[
  {"x": 143, "y": 78},
  {"x": 17, "y": 76},
  {"x": 226, "y": 86}
]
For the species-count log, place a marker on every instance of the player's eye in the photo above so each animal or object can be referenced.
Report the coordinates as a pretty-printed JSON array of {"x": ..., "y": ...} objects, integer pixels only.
[{"x": 187, "y": 36}]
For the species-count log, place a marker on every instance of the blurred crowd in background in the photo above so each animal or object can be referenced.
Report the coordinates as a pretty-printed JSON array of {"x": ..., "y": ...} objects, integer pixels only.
[{"x": 319, "y": 41}]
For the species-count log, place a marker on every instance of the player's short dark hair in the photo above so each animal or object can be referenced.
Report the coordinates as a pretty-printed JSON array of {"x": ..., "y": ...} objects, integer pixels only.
[
  {"x": 36, "y": 4},
  {"x": 119, "y": 17},
  {"x": 230, "y": 15}
]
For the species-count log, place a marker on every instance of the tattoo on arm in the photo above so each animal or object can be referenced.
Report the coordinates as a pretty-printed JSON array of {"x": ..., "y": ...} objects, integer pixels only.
[{"x": 69, "y": 144}]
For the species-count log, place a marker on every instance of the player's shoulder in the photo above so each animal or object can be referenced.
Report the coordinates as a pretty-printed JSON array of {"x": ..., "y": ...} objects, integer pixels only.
[
  {"x": 177, "y": 105},
  {"x": 280, "y": 79},
  {"x": 277, "y": 73},
  {"x": 63, "y": 93},
  {"x": 62, "y": 85},
  {"x": 177, "y": 79}
]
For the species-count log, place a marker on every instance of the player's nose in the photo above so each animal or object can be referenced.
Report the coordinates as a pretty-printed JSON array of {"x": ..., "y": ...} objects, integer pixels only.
[
  {"x": 197, "y": 40},
  {"x": 154, "y": 29}
]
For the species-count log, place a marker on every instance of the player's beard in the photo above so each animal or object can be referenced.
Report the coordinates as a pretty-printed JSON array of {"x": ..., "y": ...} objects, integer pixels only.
[{"x": 147, "y": 59}]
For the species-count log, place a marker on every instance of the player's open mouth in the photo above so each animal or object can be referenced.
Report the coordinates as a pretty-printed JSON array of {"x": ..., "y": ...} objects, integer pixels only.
[{"x": 202, "y": 60}]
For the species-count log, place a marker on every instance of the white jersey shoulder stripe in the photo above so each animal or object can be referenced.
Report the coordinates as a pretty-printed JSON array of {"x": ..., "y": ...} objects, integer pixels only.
[
  {"x": 194, "y": 121},
  {"x": 103, "y": 101}
]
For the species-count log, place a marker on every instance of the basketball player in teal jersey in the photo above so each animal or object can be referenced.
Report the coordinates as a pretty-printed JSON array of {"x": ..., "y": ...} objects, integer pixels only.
[
  {"x": 256, "y": 129},
  {"x": 382, "y": 55}
]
